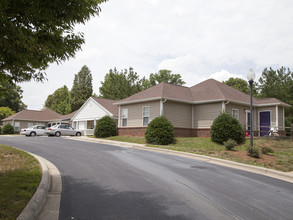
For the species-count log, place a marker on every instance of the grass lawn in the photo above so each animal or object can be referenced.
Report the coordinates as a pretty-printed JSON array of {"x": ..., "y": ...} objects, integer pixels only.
[
  {"x": 20, "y": 175},
  {"x": 281, "y": 159}
]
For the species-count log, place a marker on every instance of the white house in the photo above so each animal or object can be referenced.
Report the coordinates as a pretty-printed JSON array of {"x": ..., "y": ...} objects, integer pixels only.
[{"x": 91, "y": 111}]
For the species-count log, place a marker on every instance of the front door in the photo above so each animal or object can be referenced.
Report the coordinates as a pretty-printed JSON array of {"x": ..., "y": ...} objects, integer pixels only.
[{"x": 264, "y": 122}]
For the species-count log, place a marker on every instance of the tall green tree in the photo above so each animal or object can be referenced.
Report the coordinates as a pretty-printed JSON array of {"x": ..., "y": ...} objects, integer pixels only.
[
  {"x": 118, "y": 85},
  {"x": 165, "y": 76},
  {"x": 277, "y": 84},
  {"x": 35, "y": 33},
  {"x": 59, "y": 101},
  {"x": 10, "y": 96},
  {"x": 241, "y": 85},
  {"x": 5, "y": 112},
  {"x": 82, "y": 88}
]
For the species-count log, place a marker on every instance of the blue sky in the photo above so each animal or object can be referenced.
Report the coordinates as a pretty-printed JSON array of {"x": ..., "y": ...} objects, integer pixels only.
[{"x": 198, "y": 39}]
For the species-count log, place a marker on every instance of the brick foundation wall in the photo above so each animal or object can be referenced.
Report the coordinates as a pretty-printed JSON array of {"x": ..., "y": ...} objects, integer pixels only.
[{"x": 179, "y": 132}]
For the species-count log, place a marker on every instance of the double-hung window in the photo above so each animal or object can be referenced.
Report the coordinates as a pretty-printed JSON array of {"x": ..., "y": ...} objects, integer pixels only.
[
  {"x": 124, "y": 117},
  {"x": 235, "y": 113},
  {"x": 145, "y": 115}
]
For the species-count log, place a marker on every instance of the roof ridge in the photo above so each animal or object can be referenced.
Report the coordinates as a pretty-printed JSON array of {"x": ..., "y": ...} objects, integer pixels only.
[{"x": 216, "y": 83}]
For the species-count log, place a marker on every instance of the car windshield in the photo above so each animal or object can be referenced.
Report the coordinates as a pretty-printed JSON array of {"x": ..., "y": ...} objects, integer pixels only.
[
  {"x": 54, "y": 126},
  {"x": 31, "y": 127}
]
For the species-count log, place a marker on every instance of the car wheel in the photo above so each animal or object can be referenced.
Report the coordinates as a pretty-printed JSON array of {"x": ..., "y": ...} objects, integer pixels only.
[
  {"x": 57, "y": 134},
  {"x": 33, "y": 134},
  {"x": 78, "y": 134}
]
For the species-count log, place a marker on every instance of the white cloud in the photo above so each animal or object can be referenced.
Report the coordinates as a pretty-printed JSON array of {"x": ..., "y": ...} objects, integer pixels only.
[{"x": 197, "y": 39}]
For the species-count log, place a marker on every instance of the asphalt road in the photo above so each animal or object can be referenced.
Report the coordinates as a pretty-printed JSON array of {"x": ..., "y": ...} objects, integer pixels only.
[{"x": 109, "y": 182}]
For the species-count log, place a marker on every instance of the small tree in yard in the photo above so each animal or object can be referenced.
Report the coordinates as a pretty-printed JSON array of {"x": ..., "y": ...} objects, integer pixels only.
[
  {"x": 7, "y": 129},
  {"x": 160, "y": 131},
  {"x": 106, "y": 127},
  {"x": 227, "y": 127}
]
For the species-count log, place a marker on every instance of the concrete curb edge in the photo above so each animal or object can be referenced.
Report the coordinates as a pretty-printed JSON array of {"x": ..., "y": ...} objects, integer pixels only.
[
  {"x": 250, "y": 168},
  {"x": 35, "y": 205}
]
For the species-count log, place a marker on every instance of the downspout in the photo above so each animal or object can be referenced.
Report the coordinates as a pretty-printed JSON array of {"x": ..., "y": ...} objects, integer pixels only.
[
  {"x": 224, "y": 105},
  {"x": 162, "y": 101}
]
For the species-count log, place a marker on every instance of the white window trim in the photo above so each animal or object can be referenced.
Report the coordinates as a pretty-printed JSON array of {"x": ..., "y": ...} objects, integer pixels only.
[
  {"x": 246, "y": 121},
  {"x": 149, "y": 116},
  {"x": 16, "y": 122},
  {"x": 126, "y": 109},
  {"x": 235, "y": 109}
]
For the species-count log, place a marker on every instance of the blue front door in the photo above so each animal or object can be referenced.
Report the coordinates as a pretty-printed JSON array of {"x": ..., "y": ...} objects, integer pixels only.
[{"x": 264, "y": 122}]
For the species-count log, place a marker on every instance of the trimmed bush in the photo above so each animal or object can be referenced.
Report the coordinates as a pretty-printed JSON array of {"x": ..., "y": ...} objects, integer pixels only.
[
  {"x": 160, "y": 131},
  {"x": 7, "y": 129},
  {"x": 253, "y": 152},
  {"x": 105, "y": 127},
  {"x": 226, "y": 127},
  {"x": 230, "y": 144},
  {"x": 267, "y": 150},
  {"x": 0, "y": 129}
]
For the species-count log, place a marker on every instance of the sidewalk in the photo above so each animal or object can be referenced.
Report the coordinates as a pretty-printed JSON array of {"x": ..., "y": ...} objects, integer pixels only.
[{"x": 254, "y": 169}]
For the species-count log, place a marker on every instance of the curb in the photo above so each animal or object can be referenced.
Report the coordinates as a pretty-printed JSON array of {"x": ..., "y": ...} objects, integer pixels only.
[
  {"x": 49, "y": 191},
  {"x": 250, "y": 168},
  {"x": 33, "y": 208}
]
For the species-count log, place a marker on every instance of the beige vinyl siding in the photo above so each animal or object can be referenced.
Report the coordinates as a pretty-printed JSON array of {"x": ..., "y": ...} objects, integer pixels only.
[
  {"x": 180, "y": 114},
  {"x": 241, "y": 109},
  {"x": 135, "y": 113},
  {"x": 205, "y": 114}
]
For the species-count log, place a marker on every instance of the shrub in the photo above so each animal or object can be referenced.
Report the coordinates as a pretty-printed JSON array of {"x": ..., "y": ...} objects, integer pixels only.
[
  {"x": 253, "y": 152},
  {"x": 267, "y": 150},
  {"x": 230, "y": 144},
  {"x": 160, "y": 131},
  {"x": 105, "y": 127},
  {"x": 0, "y": 129},
  {"x": 226, "y": 127},
  {"x": 7, "y": 129}
]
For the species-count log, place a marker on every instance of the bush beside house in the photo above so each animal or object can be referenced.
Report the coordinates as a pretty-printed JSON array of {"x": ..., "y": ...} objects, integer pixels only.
[
  {"x": 226, "y": 127},
  {"x": 7, "y": 129},
  {"x": 106, "y": 127},
  {"x": 160, "y": 131}
]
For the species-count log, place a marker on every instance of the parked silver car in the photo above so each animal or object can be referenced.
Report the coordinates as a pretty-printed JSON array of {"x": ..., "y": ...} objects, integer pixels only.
[
  {"x": 33, "y": 130},
  {"x": 62, "y": 130}
]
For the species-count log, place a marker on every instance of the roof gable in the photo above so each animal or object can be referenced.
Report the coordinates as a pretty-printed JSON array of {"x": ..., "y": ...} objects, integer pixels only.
[{"x": 107, "y": 104}]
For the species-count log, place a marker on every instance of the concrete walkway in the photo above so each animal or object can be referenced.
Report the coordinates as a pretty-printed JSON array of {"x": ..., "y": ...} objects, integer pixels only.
[{"x": 286, "y": 176}]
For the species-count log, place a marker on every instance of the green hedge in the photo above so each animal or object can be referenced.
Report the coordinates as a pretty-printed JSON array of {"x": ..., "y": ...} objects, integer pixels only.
[
  {"x": 7, "y": 129},
  {"x": 160, "y": 131},
  {"x": 106, "y": 127},
  {"x": 227, "y": 127}
]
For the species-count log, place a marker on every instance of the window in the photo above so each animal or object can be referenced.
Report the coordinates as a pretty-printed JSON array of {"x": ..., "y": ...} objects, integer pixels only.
[
  {"x": 145, "y": 116},
  {"x": 16, "y": 126},
  {"x": 29, "y": 124},
  {"x": 124, "y": 117},
  {"x": 235, "y": 113}
]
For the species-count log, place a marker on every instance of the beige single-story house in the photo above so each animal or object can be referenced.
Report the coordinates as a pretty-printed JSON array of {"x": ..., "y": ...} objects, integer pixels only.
[
  {"x": 91, "y": 111},
  {"x": 192, "y": 110},
  {"x": 27, "y": 118}
]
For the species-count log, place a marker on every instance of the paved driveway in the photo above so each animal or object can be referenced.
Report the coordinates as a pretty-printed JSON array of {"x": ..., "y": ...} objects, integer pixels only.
[{"x": 109, "y": 182}]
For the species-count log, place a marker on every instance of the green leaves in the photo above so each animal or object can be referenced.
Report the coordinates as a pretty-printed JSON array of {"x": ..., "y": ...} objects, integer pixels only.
[
  {"x": 82, "y": 88},
  {"x": 59, "y": 101},
  {"x": 35, "y": 33}
]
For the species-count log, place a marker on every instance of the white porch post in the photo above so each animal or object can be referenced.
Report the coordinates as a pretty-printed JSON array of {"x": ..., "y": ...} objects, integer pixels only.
[
  {"x": 277, "y": 117},
  {"x": 119, "y": 119}
]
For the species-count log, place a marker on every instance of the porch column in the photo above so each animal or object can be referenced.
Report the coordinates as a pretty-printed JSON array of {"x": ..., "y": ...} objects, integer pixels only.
[{"x": 277, "y": 117}]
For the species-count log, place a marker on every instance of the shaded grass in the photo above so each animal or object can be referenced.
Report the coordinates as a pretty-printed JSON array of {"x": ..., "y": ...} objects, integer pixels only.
[
  {"x": 20, "y": 175},
  {"x": 281, "y": 159}
]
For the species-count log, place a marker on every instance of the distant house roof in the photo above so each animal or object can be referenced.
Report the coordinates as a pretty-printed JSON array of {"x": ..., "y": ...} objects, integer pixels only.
[
  {"x": 207, "y": 91},
  {"x": 33, "y": 115},
  {"x": 107, "y": 104}
]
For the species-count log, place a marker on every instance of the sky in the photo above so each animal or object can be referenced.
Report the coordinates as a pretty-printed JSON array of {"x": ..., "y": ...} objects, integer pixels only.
[{"x": 199, "y": 39}]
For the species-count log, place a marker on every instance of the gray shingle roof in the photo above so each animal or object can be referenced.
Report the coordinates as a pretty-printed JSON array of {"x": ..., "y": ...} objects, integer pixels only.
[{"x": 206, "y": 91}]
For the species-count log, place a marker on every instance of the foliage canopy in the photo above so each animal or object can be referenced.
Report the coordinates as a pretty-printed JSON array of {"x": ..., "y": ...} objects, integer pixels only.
[
  {"x": 82, "y": 88},
  {"x": 35, "y": 33}
]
